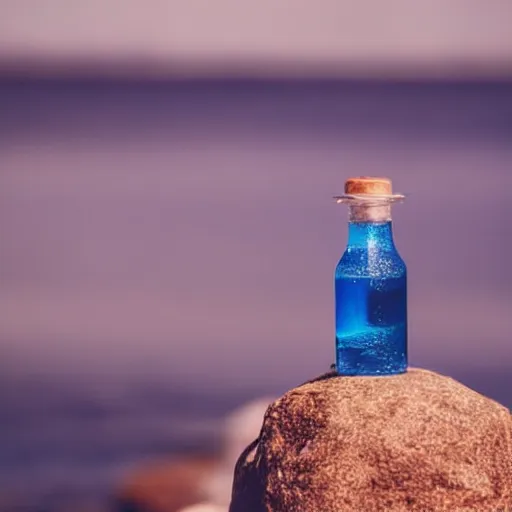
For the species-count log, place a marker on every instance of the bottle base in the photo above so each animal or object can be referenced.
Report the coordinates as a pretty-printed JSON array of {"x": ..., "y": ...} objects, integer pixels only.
[
  {"x": 366, "y": 362},
  {"x": 366, "y": 372}
]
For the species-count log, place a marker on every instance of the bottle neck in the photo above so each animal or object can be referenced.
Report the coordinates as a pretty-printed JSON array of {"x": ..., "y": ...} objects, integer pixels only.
[
  {"x": 371, "y": 235},
  {"x": 369, "y": 212}
]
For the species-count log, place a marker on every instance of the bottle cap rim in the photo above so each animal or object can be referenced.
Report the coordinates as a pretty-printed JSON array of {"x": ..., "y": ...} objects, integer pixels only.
[{"x": 369, "y": 199}]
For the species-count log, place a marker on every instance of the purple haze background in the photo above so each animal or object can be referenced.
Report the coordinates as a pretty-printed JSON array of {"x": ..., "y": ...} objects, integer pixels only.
[
  {"x": 167, "y": 244},
  {"x": 168, "y": 252},
  {"x": 190, "y": 229}
]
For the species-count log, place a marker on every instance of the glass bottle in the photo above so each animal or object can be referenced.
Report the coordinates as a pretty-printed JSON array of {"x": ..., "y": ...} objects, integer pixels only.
[{"x": 370, "y": 285}]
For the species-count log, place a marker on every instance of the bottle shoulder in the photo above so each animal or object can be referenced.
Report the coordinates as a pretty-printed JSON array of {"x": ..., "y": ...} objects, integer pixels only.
[{"x": 368, "y": 263}]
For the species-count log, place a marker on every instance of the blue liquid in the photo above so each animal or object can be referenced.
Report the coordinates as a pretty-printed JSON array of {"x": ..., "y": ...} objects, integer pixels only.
[{"x": 371, "y": 303}]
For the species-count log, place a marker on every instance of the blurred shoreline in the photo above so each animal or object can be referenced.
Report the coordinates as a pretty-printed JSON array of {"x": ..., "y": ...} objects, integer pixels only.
[
  {"x": 93, "y": 76},
  {"x": 252, "y": 68}
]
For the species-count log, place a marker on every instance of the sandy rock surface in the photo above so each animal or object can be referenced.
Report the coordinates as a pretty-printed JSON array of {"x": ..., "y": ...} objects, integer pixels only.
[{"x": 413, "y": 442}]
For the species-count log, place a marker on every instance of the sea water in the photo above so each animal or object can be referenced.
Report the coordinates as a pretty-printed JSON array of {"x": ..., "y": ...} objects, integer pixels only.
[{"x": 371, "y": 305}]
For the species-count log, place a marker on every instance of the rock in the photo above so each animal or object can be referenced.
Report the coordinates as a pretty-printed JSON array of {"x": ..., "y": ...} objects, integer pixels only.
[{"x": 413, "y": 442}]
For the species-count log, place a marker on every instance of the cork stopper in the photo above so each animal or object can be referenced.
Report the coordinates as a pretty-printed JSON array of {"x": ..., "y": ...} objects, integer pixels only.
[
  {"x": 369, "y": 211},
  {"x": 368, "y": 185}
]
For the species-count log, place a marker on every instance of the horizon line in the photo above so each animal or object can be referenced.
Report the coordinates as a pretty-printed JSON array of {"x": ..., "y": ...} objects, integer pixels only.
[{"x": 133, "y": 70}]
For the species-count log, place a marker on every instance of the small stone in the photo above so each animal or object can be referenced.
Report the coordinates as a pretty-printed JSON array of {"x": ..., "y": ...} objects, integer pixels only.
[
  {"x": 165, "y": 487},
  {"x": 204, "y": 507}
]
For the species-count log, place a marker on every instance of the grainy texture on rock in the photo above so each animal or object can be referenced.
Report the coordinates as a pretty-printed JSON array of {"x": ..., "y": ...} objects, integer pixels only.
[{"x": 417, "y": 442}]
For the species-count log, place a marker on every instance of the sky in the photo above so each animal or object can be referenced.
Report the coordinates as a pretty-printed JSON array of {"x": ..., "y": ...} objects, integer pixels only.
[{"x": 266, "y": 37}]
